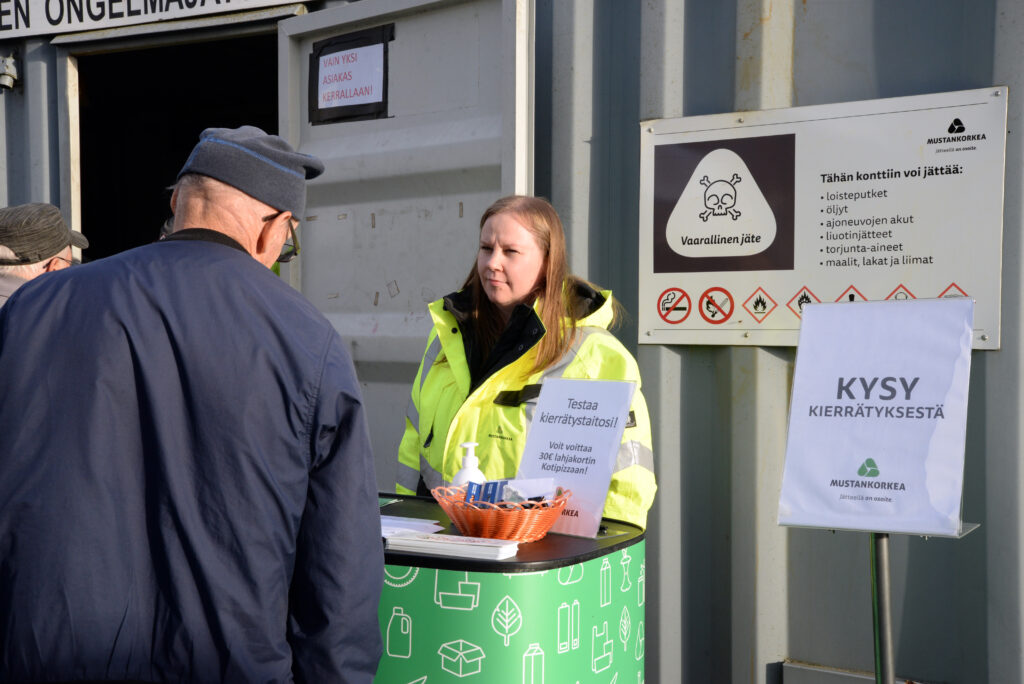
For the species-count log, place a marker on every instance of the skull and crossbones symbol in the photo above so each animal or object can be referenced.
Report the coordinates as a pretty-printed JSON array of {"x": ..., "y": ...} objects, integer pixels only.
[{"x": 720, "y": 197}]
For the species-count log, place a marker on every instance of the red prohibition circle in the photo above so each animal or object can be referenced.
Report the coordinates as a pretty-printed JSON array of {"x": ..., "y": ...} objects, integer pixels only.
[
  {"x": 674, "y": 305},
  {"x": 706, "y": 297}
]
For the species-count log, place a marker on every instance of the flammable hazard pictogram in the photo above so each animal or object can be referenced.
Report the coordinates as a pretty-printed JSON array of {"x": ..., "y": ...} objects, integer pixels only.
[
  {"x": 953, "y": 290},
  {"x": 716, "y": 305},
  {"x": 674, "y": 305},
  {"x": 901, "y": 292},
  {"x": 760, "y": 304},
  {"x": 801, "y": 298},
  {"x": 851, "y": 294}
]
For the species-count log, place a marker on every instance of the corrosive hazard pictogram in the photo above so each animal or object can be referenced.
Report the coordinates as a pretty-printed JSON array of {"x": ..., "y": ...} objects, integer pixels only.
[
  {"x": 674, "y": 305},
  {"x": 800, "y": 299},
  {"x": 715, "y": 305},
  {"x": 953, "y": 290},
  {"x": 759, "y": 305},
  {"x": 901, "y": 292},
  {"x": 851, "y": 294}
]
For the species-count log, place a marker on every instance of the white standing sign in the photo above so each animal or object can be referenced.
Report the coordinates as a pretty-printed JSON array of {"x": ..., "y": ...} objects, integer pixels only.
[
  {"x": 574, "y": 438},
  {"x": 878, "y": 417},
  {"x": 746, "y": 218}
]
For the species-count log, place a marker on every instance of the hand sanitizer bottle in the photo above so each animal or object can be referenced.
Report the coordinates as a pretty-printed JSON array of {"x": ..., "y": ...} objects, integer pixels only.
[{"x": 470, "y": 471}]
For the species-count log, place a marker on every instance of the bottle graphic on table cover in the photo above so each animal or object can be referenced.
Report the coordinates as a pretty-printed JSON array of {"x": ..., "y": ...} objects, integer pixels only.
[
  {"x": 606, "y": 582},
  {"x": 399, "y": 644},
  {"x": 569, "y": 626}
]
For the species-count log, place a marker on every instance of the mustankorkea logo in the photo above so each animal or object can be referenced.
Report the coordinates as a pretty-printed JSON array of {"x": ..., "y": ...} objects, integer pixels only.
[
  {"x": 956, "y": 133},
  {"x": 868, "y": 468}
]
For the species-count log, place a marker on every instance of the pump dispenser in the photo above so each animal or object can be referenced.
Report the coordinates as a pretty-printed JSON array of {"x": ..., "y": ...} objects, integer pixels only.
[{"x": 470, "y": 471}]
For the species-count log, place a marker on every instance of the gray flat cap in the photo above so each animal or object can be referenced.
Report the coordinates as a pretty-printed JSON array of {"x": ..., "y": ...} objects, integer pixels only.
[{"x": 35, "y": 232}]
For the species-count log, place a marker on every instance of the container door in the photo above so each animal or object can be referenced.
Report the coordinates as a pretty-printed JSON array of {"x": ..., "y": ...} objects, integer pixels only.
[{"x": 422, "y": 112}]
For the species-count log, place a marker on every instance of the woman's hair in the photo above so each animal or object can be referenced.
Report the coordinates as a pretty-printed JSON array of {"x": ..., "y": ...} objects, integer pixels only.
[{"x": 555, "y": 288}]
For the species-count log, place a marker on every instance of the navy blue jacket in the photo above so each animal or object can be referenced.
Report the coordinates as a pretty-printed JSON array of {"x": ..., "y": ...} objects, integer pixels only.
[{"x": 187, "y": 490}]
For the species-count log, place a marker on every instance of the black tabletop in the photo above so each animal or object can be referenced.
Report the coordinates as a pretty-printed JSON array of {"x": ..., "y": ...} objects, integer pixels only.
[{"x": 552, "y": 551}]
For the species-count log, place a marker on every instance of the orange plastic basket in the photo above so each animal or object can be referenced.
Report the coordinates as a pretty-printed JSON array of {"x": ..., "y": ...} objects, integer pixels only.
[{"x": 500, "y": 521}]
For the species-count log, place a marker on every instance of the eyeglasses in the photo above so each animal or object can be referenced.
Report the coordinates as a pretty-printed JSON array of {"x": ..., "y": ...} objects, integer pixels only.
[
  {"x": 69, "y": 262},
  {"x": 290, "y": 249}
]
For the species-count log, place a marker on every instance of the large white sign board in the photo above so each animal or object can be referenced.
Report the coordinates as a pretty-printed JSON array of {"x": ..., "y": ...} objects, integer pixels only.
[
  {"x": 746, "y": 218},
  {"x": 878, "y": 417},
  {"x": 574, "y": 438}
]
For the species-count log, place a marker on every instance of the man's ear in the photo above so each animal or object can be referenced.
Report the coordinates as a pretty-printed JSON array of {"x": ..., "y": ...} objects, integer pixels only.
[
  {"x": 272, "y": 237},
  {"x": 174, "y": 198}
]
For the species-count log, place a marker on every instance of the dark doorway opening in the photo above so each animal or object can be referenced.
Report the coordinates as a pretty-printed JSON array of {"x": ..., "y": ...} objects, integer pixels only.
[{"x": 141, "y": 112}]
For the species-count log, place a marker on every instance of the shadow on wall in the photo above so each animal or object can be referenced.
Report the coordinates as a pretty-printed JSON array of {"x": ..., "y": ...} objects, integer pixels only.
[{"x": 922, "y": 46}]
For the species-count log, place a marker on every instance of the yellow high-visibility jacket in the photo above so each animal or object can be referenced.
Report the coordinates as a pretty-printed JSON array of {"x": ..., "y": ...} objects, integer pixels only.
[{"x": 443, "y": 412}]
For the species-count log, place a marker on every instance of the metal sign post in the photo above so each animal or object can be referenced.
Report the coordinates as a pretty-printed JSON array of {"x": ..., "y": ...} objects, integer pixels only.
[{"x": 882, "y": 609}]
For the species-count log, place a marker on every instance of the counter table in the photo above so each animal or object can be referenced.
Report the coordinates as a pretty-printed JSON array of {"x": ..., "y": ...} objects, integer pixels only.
[{"x": 563, "y": 609}]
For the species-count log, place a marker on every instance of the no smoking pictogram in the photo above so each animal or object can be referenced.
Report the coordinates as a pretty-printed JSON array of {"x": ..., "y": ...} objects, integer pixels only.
[
  {"x": 674, "y": 305},
  {"x": 715, "y": 305}
]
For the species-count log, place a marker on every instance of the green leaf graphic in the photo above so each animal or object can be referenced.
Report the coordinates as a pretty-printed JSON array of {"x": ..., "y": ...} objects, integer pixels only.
[
  {"x": 868, "y": 468},
  {"x": 506, "y": 619}
]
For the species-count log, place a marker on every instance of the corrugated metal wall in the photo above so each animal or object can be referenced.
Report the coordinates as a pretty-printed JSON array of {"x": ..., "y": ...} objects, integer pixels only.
[{"x": 735, "y": 592}]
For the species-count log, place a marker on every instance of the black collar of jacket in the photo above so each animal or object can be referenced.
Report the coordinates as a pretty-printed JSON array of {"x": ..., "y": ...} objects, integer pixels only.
[
  {"x": 523, "y": 330},
  {"x": 205, "y": 235}
]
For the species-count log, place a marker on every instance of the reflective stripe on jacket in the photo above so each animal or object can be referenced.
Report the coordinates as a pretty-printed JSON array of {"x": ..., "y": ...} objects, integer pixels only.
[{"x": 442, "y": 413}]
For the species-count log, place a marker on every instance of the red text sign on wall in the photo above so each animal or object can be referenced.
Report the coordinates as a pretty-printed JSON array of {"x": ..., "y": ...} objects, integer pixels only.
[{"x": 351, "y": 77}]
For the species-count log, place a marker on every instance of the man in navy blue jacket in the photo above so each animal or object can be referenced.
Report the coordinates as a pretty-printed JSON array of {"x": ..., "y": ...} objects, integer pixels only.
[{"x": 187, "y": 490}]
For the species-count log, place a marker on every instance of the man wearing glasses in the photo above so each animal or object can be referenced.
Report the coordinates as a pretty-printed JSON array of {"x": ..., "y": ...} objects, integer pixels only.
[
  {"x": 33, "y": 240},
  {"x": 187, "y": 489}
]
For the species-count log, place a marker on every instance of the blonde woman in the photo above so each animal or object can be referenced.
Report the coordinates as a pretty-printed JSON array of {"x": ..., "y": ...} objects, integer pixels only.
[{"x": 519, "y": 319}]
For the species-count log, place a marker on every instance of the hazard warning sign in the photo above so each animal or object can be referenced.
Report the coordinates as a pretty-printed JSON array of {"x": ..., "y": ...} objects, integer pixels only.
[
  {"x": 674, "y": 305},
  {"x": 901, "y": 292},
  {"x": 851, "y": 294},
  {"x": 953, "y": 290},
  {"x": 759, "y": 305},
  {"x": 801, "y": 298},
  {"x": 716, "y": 305},
  {"x": 801, "y": 197}
]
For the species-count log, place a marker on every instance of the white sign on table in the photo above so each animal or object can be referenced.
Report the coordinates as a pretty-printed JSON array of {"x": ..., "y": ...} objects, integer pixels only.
[
  {"x": 746, "y": 218},
  {"x": 878, "y": 417},
  {"x": 574, "y": 438}
]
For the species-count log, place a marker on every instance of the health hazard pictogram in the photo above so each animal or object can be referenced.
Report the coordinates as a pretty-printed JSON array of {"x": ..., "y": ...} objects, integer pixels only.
[
  {"x": 760, "y": 304},
  {"x": 901, "y": 292},
  {"x": 851, "y": 294},
  {"x": 800, "y": 299},
  {"x": 674, "y": 305},
  {"x": 953, "y": 290},
  {"x": 716, "y": 305}
]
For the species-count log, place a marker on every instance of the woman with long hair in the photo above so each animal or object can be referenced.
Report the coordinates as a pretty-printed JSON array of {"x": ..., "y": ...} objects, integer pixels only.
[{"x": 519, "y": 319}]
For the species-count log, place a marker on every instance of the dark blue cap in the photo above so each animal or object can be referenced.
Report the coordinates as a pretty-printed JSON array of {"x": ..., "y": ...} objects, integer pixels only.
[{"x": 260, "y": 165}]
